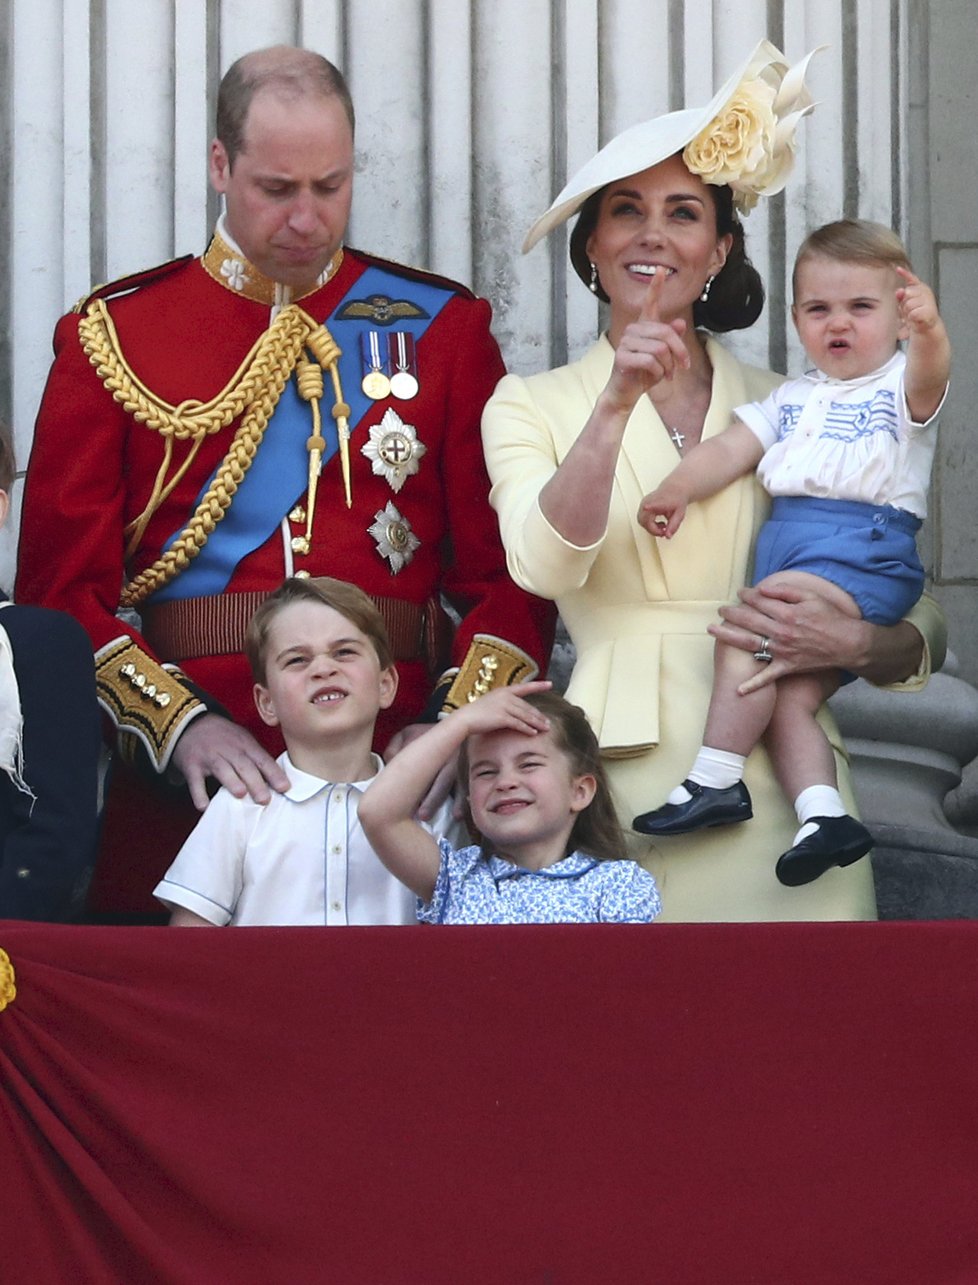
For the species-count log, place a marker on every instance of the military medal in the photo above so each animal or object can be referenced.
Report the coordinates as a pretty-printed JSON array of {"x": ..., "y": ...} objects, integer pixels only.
[
  {"x": 375, "y": 383},
  {"x": 395, "y": 540},
  {"x": 404, "y": 383},
  {"x": 393, "y": 449}
]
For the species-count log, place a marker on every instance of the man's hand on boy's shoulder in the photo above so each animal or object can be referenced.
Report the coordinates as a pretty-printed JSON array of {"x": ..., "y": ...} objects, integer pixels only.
[{"x": 213, "y": 746}]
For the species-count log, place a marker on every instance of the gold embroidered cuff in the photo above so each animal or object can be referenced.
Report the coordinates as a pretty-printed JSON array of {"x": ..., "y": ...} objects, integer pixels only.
[
  {"x": 489, "y": 663},
  {"x": 8, "y": 989},
  {"x": 144, "y": 699}
]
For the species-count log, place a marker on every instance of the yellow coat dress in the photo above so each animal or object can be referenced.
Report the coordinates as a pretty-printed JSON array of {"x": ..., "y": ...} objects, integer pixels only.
[{"x": 637, "y": 609}]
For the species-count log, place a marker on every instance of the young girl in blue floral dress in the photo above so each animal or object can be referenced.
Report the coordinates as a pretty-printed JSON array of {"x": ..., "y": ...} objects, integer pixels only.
[{"x": 550, "y": 848}]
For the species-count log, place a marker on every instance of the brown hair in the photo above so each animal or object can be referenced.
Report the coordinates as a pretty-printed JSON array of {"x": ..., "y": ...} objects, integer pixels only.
[
  {"x": 737, "y": 294},
  {"x": 289, "y": 72},
  {"x": 596, "y": 828},
  {"x": 8, "y": 464},
  {"x": 852, "y": 241},
  {"x": 345, "y": 598}
]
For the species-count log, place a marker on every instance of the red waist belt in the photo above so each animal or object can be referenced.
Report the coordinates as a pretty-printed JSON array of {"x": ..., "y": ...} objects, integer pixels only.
[{"x": 215, "y": 626}]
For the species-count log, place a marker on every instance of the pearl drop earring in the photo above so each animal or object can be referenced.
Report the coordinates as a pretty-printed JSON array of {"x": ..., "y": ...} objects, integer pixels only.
[
  {"x": 593, "y": 287},
  {"x": 706, "y": 289}
]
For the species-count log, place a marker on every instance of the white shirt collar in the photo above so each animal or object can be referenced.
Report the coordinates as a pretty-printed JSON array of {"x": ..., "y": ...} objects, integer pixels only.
[
  {"x": 819, "y": 376},
  {"x": 304, "y": 785}
]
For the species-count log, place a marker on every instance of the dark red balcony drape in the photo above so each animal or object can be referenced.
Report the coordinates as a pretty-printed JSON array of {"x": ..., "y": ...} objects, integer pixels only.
[{"x": 543, "y": 1105}]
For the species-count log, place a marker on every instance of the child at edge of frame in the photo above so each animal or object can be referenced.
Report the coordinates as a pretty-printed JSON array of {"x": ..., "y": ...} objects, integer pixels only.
[{"x": 50, "y": 741}]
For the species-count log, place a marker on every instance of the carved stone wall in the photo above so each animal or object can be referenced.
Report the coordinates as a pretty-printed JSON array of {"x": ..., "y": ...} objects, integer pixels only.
[{"x": 470, "y": 117}]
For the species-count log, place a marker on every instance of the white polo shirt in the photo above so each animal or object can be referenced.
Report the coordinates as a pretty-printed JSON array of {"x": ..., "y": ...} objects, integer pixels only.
[{"x": 300, "y": 859}]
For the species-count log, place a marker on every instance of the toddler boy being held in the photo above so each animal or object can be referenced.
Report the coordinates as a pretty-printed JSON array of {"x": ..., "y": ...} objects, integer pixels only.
[
  {"x": 323, "y": 670},
  {"x": 845, "y": 453}
]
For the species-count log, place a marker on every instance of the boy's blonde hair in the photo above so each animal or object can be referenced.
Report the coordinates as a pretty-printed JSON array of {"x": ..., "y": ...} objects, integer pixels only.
[
  {"x": 852, "y": 241},
  {"x": 345, "y": 598}
]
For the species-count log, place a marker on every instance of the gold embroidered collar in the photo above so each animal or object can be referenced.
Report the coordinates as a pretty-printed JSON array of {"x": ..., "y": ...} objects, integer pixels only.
[{"x": 223, "y": 261}]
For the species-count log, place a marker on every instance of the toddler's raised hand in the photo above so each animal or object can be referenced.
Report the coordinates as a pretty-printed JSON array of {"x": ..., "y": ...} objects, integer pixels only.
[
  {"x": 917, "y": 303},
  {"x": 928, "y": 348}
]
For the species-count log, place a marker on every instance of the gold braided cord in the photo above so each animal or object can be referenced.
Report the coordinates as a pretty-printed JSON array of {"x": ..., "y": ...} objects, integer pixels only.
[
  {"x": 309, "y": 379},
  {"x": 253, "y": 393},
  {"x": 136, "y": 528},
  {"x": 211, "y": 508},
  {"x": 327, "y": 353},
  {"x": 322, "y": 344},
  {"x": 284, "y": 338},
  {"x": 190, "y": 419}
]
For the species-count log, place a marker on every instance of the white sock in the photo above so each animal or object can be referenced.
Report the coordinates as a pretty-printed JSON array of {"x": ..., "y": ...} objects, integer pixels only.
[
  {"x": 717, "y": 769},
  {"x": 816, "y": 801}
]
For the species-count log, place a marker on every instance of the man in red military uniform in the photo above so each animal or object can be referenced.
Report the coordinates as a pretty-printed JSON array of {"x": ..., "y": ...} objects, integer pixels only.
[{"x": 282, "y": 405}]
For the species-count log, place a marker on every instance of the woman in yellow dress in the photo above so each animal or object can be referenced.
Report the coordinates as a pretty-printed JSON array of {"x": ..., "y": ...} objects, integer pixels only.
[{"x": 573, "y": 451}]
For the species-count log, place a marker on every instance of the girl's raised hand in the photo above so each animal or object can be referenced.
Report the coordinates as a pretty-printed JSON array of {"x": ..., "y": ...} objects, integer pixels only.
[{"x": 505, "y": 707}]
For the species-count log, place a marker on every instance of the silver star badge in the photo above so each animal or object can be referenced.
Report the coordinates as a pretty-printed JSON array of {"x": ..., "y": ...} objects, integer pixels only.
[
  {"x": 394, "y": 449},
  {"x": 395, "y": 540}
]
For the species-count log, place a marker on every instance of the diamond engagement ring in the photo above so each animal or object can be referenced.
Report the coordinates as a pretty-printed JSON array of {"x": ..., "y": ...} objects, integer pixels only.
[{"x": 764, "y": 651}]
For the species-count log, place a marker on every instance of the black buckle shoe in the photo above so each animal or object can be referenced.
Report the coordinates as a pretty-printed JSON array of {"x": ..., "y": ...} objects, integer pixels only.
[
  {"x": 838, "y": 841},
  {"x": 707, "y": 806}
]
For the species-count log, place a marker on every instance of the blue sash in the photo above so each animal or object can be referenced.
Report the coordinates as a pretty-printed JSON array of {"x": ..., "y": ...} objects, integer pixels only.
[{"x": 279, "y": 472}]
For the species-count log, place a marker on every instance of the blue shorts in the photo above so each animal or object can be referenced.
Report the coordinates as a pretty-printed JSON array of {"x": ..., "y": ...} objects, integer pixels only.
[{"x": 869, "y": 551}]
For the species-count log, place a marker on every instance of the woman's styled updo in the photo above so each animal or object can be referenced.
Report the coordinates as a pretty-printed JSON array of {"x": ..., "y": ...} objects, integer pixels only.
[{"x": 737, "y": 294}]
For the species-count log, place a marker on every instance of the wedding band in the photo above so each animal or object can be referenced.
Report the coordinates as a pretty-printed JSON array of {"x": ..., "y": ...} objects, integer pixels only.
[{"x": 764, "y": 651}]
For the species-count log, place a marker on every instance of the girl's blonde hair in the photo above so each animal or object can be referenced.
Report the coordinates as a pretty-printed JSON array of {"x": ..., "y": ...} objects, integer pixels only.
[{"x": 596, "y": 828}]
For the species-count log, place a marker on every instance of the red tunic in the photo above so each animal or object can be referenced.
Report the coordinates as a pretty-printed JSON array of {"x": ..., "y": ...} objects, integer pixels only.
[{"x": 93, "y": 467}]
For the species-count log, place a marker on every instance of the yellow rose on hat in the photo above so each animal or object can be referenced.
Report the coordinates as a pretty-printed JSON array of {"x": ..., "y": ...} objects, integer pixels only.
[
  {"x": 737, "y": 147},
  {"x": 750, "y": 142}
]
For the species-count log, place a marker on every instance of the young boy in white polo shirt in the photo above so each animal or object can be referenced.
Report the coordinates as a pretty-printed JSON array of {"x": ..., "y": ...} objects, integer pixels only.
[{"x": 323, "y": 670}]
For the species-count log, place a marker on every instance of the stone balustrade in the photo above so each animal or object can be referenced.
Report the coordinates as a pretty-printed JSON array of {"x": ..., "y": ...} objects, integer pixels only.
[{"x": 909, "y": 751}]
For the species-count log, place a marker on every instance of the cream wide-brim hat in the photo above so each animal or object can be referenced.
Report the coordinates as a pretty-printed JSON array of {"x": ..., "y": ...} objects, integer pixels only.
[{"x": 743, "y": 137}]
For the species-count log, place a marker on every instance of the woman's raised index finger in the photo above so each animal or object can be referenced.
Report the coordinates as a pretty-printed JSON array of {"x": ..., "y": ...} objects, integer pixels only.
[{"x": 650, "y": 304}]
